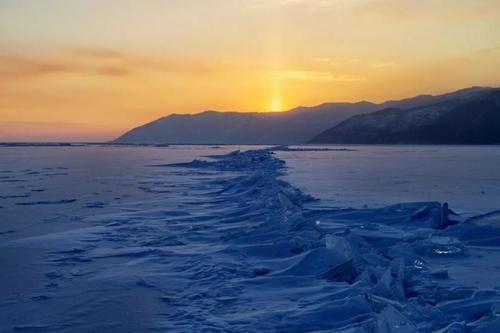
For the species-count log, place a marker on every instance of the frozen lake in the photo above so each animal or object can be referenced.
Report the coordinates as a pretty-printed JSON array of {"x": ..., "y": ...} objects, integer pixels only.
[
  {"x": 467, "y": 177},
  {"x": 135, "y": 239}
]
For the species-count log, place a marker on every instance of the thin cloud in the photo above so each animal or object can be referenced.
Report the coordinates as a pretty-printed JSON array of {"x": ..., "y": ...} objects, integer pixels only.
[
  {"x": 317, "y": 76},
  {"x": 491, "y": 50},
  {"x": 319, "y": 4},
  {"x": 327, "y": 61},
  {"x": 404, "y": 11},
  {"x": 103, "y": 54},
  {"x": 114, "y": 71},
  {"x": 114, "y": 64},
  {"x": 385, "y": 65},
  {"x": 20, "y": 67}
]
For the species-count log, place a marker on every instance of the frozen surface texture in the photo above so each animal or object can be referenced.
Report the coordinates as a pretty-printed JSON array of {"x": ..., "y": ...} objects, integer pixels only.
[
  {"x": 357, "y": 176},
  {"x": 226, "y": 244}
]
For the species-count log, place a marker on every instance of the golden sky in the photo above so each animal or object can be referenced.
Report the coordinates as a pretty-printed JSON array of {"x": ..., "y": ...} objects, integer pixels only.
[{"x": 86, "y": 70}]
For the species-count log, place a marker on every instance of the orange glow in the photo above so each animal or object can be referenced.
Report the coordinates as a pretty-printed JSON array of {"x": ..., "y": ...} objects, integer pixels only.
[
  {"x": 89, "y": 77},
  {"x": 276, "y": 104}
]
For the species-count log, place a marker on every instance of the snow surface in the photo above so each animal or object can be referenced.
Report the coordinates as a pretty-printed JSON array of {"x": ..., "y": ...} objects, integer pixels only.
[
  {"x": 128, "y": 239},
  {"x": 357, "y": 176}
]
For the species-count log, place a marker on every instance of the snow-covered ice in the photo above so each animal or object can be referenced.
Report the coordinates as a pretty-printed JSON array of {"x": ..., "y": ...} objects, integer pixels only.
[
  {"x": 205, "y": 239},
  {"x": 360, "y": 176}
]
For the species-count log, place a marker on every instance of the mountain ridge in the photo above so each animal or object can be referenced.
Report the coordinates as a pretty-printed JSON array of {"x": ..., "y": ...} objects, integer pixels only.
[
  {"x": 468, "y": 121},
  {"x": 295, "y": 126}
]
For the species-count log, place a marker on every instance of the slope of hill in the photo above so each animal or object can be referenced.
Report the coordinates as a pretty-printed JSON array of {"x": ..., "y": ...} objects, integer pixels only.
[
  {"x": 472, "y": 119},
  {"x": 291, "y": 127},
  {"x": 213, "y": 127}
]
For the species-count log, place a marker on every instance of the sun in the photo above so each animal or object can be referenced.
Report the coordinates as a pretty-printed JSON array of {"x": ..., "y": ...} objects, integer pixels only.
[{"x": 276, "y": 104}]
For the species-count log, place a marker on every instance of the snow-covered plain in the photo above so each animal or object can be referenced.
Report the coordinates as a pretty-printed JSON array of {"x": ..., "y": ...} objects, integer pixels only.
[
  {"x": 132, "y": 239},
  {"x": 467, "y": 177}
]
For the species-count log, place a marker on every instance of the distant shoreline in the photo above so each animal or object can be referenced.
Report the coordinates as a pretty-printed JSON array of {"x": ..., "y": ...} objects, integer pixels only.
[{"x": 111, "y": 144}]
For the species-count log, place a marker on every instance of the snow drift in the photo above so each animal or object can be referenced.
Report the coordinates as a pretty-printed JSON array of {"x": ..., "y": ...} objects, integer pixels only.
[{"x": 236, "y": 249}]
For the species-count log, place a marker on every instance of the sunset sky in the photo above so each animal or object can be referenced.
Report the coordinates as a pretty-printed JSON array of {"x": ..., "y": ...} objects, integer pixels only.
[{"x": 86, "y": 70}]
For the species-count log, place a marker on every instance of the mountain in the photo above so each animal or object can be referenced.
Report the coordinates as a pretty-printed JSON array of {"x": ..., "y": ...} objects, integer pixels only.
[
  {"x": 296, "y": 126},
  {"x": 213, "y": 127},
  {"x": 470, "y": 116}
]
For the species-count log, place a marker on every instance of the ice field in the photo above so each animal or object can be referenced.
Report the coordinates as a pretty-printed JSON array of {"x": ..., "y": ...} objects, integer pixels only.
[{"x": 249, "y": 239}]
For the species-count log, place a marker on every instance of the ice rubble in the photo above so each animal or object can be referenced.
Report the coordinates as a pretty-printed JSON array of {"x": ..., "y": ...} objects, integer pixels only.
[
  {"x": 381, "y": 259},
  {"x": 241, "y": 250}
]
